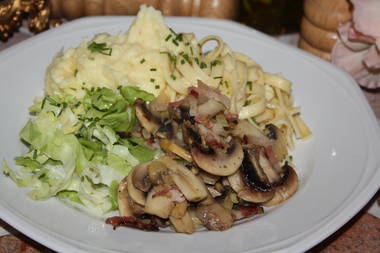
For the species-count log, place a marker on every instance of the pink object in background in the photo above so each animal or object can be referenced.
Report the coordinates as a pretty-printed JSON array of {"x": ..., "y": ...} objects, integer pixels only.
[{"x": 358, "y": 49}]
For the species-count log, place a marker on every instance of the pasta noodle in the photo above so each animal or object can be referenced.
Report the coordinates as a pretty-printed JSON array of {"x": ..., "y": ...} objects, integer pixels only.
[{"x": 255, "y": 94}]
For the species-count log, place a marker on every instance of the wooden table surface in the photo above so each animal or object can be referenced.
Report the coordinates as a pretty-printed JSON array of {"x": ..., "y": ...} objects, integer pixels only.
[{"x": 361, "y": 234}]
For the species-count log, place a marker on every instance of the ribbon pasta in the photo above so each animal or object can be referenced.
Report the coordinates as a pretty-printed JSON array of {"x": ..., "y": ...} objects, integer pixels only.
[{"x": 255, "y": 94}]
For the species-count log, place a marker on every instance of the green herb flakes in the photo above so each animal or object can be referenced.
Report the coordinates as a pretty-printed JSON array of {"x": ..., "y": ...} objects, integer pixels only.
[{"x": 100, "y": 48}]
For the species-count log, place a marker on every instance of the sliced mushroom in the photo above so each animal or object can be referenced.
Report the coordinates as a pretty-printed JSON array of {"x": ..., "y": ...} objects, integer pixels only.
[
  {"x": 271, "y": 173},
  {"x": 242, "y": 212},
  {"x": 123, "y": 201},
  {"x": 217, "y": 162},
  {"x": 147, "y": 120},
  {"x": 210, "y": 108},
  {"x": 140, "y": 177},
  {"x": 184, "y": 224},
  {"x": 190, "y": 185},
  {"x": 208, "y": 178},
  {"x": 127, "y": 207},
  {"x": 215, "y": 216},
  {"x": 287, "y": 189},
  {"x": 158, "y": 173},
  {"x": 278, "y": 138},
  {"x": 159, "y": 105},
  {"x": 250, "y": 134},
  {"x": 214, "y": 193},
  {"x": 163, "y": 128},
  {"x": 245, "y": 183},
  {"x": 158, "y": 202},
  {"x": 179, "y": 209},
  {"x": 257, "y": 187},
  {"x": 136, "y": 194},
  {"x": 236, "y": 181}
]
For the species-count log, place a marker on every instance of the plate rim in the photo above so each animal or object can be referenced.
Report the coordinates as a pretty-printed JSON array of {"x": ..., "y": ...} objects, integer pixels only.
[{"x": 327, "y": 229}]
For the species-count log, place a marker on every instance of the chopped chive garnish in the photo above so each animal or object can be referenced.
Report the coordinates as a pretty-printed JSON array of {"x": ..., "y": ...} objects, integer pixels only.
[
  {"x": 249, "y": 83},
  {"x": 100, "y": 48},
  {"x": 182, "y": 61},
  {"x": 254, "y": 120},
  {"x": 203, "y": 65},
  {"x": 226, "y": 84},
  {"x": 142, "y": 61},
  {"x": 173, "y": 77},
  {"x": 173, "y": 31},
  {"x": 175, "y": 42},
  {"x": 168, "y": 37},
  {"x": 218, "y": 77},
  {"x": 157, "y": 87},
  {"x": 52, "y": 101},
  {"x": 191, "y": 51},
  {"x": 290, "y": 158},
  {"x": 196, "y": 60},
  {"x": 75, "y": 72},
  {"x": 186, "y": 57},
  {"x": 179, "y": 37},
  {"x": 214, "y": 63},
  {"x": 73, "y": 89},
  {"x": 187, "y": 43},
  {"x": 153, "y": 69},
  {"x": 34, "y": 154},
  {"x": 172, "y": 58},
  {"x": 152, "y": 80},
  {"x": 247, "y": 102}
]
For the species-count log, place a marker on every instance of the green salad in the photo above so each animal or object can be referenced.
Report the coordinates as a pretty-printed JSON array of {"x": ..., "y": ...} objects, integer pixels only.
[{"x": 80, "y": 149}]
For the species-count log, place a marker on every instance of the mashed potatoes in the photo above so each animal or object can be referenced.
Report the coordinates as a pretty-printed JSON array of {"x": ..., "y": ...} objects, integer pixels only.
[{"x": 135, "y": 59}]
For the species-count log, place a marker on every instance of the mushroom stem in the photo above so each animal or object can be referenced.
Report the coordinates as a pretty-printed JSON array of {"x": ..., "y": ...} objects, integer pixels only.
[{"x": 170, "y": 146}]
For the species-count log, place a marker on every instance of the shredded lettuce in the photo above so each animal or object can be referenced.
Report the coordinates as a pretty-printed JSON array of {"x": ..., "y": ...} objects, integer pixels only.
[
  {"x": 75, "y": 150},
  {"x": 131, "y": 93}
]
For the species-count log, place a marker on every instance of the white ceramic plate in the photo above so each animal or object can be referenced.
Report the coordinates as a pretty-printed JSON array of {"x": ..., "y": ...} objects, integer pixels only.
[{"x": 338, "y": 168}]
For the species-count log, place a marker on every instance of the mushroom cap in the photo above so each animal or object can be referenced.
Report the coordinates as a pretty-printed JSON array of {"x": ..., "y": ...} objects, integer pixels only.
[
  {"x": 255, "y": 196},
  {"x": 160, "y": 205},
  {"x": 250, "y": 187},
  {"x": 146, "y": 118},
  {"x": 137, "y": 195},
  {"x": 123, "y": 201},
  {"x": 127, "y": 207},
  {"x": 216, "y": 162},
  {"x": 184, "y": 224},
  {"x": 140, "y": 177},
  {"x": 286, "y": 189},
  {"x": 215, "y": 216},
  {"x": 190, "y": 185}
]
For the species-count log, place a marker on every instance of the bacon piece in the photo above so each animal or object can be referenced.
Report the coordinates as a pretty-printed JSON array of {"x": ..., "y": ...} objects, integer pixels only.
[
  {"x": 204, "y": 121},
  {"x": 174, "y": 193},
  {"x": 176, "y": 103},
  {"x": 242, "y": 212},
  {"x": 132, "y": 222},
  {"x": 231, "y": 117},
  {"x": 206, "y": 92}
]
